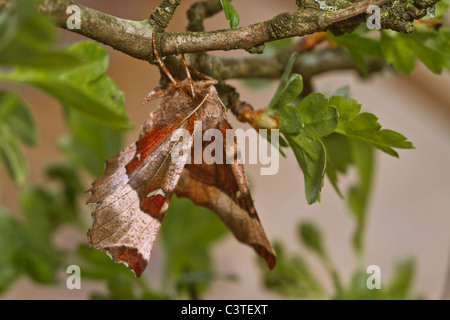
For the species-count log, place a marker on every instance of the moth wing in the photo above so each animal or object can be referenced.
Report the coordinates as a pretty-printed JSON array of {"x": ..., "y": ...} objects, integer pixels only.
[
  {"x": 223, "y": 188},
  {"x": 134, "y": 193}
]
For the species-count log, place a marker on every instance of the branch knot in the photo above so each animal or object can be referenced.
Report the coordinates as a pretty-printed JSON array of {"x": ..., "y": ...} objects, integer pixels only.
[{"x": 280, "y": 25}]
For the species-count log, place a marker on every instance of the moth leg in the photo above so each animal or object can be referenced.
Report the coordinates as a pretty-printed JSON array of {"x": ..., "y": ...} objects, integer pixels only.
[
  {"x": 154, "y": 94},
  {"x": 202, "y": 75},
  {"x": 161, "y": 63},
  {"x": 188, "y": 74}
]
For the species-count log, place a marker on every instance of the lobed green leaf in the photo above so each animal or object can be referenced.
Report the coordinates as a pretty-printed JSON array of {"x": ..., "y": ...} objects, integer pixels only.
[
  {"x": 430, "y": 46},
  {"x": 318, "y": 119},
  {"x": 359, "y": 47},
  {"x": 365, "y": 127}
]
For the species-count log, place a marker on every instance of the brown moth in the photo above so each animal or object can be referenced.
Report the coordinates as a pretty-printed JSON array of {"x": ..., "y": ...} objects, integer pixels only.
[{"x": 133, "y": 194}]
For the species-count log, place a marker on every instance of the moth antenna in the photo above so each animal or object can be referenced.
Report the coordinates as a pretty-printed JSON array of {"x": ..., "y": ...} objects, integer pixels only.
[
  {"x": 188, "y": 74},
  {"x": 161, "y": 63}
]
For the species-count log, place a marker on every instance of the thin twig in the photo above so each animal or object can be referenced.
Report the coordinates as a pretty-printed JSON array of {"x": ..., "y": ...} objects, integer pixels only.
[
  {"x": 201, "y": 10},
  {"x": 163, "y": 13}
]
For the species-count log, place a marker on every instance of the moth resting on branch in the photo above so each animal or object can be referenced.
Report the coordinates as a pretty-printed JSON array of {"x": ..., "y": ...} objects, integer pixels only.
[{"x": 133, "y": 195}]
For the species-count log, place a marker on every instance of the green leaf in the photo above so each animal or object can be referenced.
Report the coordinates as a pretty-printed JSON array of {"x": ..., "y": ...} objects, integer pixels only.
[
  {"x": 89, "y": 144},
  {"x": 358, "y": 195},
  {"x": 230, "y": 13},
  {"x": 16, "y": 123},
  {"x": 121, "y": 282},
  {"x": 38, "y": 267},
  {"x": 121, "y": 289},
  {"x": 290, "y": 91},
  {"x": 343, "y": 91},
  {"x": 430, "y": 46},
  {"x": 292, "y": 277},
  {"x": 319, "y": 120},
  {"x": 15, "y": 114},
  {"x": 289, "y": 84},
  {"x": 196, "y": 278},
  {"x": 441, "y": 8},
  {"x": 84, "y": 88},
  {"x": 357, "y": 289},
  {"x": 12, "y": 156},
  {"x": 70, "y": 188},
  {"x": 343, "y": 152},
  {"x": 27, "y": 38},
  {"x": 400, "y": 283},
  {"x": 281, "y": 143},
  {"x": 40, "y": 259},
  {"x": 365, "y": 127},
  {"x": 290, "y": 120},
  {"x": 359, "y": 47},
  {"x": 289, "y": 88},
  {"x": 338, "y": 158},
  {"x": 10, "y": 19},
  {"x": 396, "y": 53},
  {"x": 188, "y": 233},
  {"x": 398, "y": 287},
  {"x": 311, "y": 156},
  {"x": 311, "y": 237},
  {"x": 11, "y": 243},
  {"x": 97, "y": 265}
]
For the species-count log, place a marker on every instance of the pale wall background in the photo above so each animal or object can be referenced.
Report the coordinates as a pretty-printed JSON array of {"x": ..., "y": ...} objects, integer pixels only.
[{"x": 409, "y": 214}]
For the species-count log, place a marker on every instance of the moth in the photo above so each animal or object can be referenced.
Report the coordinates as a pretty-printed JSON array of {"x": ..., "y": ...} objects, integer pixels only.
[{"x": 135, "y": 190}]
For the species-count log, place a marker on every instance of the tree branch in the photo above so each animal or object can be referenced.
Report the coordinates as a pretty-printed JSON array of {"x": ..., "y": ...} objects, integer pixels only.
[
  {"x": 307, "y": 64},
  {"x": 299, "y": 23},
  {"x": 130, "y": 37},
  {"x": 134, "y": 37}
]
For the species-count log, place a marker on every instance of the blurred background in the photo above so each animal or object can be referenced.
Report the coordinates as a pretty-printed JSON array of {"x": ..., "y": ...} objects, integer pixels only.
[{"x": 409, "y": 213}]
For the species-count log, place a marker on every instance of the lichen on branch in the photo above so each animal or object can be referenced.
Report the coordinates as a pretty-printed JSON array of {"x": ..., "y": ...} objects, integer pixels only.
[
  {"x": 132, "y": 37},
  {"x": 163, "y": 13}
]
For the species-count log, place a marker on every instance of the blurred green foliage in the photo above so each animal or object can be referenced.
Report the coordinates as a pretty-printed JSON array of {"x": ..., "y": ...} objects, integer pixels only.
[
  {"x": 294, "y": 278},
  {"x": 95, "y": 118}
]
